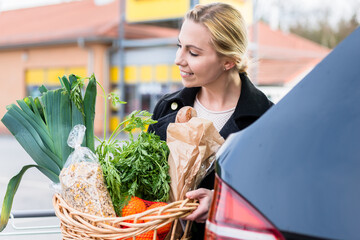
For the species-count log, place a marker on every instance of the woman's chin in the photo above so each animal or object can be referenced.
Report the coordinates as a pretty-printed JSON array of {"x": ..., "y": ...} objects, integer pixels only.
[{"x": 188, "y": 84}]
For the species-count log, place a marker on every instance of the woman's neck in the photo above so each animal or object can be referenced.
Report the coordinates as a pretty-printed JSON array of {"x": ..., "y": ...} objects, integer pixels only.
[{"x": 222, "y": 95}]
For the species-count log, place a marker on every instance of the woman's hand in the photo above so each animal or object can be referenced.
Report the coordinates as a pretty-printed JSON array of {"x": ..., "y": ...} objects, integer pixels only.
[{"x": 204, "y": 196}]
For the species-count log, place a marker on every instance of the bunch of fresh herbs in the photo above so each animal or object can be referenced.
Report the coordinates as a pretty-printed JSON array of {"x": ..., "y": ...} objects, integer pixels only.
[{"x": 134, "y": 167}]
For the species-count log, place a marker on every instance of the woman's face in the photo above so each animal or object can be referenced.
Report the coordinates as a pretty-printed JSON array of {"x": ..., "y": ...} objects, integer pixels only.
[{"x": 196, "y": 57}]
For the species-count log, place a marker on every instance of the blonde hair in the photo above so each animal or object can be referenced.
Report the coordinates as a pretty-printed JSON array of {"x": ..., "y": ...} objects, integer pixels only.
[{"x": 227, "y": 28}]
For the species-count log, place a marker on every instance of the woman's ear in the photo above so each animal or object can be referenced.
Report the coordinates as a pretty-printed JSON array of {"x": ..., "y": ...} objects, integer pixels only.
[{"x": 229, "y": 64}]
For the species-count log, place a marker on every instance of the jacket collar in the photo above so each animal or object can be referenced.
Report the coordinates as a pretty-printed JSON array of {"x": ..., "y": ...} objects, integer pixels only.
[
  {"x": 252, "y": 101},
  {"x": 186, "y": 96}
]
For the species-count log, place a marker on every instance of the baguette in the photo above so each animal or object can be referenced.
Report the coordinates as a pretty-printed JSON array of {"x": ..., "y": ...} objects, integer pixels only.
[{"x": 185, "y": 114}]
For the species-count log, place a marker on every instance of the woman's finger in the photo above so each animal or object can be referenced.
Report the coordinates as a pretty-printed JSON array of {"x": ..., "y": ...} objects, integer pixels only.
[{"x": 204, "y": 196}]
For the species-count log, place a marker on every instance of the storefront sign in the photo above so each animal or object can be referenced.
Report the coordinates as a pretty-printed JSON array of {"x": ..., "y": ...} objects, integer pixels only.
[{"x": 155, "y": 10}]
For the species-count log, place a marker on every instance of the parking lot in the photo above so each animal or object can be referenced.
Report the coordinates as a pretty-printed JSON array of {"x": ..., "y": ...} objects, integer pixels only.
[{"x": 34, "y": 193}]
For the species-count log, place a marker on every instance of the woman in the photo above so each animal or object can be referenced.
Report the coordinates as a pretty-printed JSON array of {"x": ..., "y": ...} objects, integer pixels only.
[{"x": 212, "y": 61}]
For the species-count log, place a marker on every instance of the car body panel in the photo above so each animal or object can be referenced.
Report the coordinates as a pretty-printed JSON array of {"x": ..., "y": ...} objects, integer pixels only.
[{"x": 299, "y": 164}]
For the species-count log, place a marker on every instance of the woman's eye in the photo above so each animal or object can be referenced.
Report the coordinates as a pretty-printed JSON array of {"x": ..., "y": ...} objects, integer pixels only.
[{"x": 191, "y": 53}]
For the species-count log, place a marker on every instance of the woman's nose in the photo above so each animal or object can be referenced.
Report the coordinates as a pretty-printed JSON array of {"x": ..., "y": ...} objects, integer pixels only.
[{"x": 179, "y": 59}]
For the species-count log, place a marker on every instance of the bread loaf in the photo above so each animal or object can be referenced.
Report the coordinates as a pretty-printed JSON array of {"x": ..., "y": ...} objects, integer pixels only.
[{"x": 185, "y": 114}]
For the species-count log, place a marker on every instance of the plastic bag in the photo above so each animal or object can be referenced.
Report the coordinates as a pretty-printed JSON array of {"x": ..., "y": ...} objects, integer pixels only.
[{"x": 82, "y": 181}]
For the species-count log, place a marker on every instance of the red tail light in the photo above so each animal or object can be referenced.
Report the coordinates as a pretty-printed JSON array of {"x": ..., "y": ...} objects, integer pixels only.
[{"x": 232, "y": 217}]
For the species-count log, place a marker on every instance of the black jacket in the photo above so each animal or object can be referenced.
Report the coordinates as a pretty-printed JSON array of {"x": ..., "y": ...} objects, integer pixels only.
[{"x": 251, "y": 105}]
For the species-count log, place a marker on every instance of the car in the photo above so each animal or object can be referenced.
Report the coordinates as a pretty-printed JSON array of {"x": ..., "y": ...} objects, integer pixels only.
[{"x": 295, "y": 172}]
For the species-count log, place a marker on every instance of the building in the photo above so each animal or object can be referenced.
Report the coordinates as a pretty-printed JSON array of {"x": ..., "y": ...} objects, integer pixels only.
[
  {"x": 37, "y": 45},
  {"x": 282, "y": 59}
]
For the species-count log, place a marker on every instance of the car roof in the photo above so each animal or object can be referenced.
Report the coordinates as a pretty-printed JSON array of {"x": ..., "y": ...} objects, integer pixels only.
[{"x": 299, "y": 164}]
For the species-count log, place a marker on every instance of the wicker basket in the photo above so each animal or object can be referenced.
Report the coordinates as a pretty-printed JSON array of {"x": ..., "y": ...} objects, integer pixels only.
[{"x": 78, "y": 225}]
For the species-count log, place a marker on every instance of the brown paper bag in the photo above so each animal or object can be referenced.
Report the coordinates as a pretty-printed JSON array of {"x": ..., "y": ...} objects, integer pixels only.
[{"x": 193, "y": 146}]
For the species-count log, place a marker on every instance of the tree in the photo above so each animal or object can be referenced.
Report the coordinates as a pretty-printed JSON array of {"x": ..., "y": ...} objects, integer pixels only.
[
  {"x": 315, "y": 20},
  {"x": 324, "y": 33}
]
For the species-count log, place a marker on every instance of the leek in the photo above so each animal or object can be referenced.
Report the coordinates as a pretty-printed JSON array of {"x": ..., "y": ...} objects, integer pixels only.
[{"x": 42, "y": 126}]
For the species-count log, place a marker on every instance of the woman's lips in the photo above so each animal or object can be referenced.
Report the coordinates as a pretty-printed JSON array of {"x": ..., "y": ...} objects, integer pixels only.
[{"x": 185, "y": 74}]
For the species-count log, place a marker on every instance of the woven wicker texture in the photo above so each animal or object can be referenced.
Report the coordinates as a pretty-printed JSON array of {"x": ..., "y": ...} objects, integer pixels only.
[{"x": 78, "y": 225}]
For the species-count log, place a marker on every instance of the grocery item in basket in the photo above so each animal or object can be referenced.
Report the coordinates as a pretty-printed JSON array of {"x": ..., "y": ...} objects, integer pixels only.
[
  {"x": 164, "y": 229},
  {"x": 145, "y": 236},
  {"x": 82, "y": 181},
  {"x": 193, "y": 143},
  {"x": 185, "y": 114},
  {"x": 135, "y": 205}
]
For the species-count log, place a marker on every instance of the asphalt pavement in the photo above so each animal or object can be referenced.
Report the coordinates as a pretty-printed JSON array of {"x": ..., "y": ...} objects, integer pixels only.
[{"x": 34, "y": 194}]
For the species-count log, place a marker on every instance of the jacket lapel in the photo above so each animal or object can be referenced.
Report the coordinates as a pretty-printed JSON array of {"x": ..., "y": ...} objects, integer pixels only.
[{"x": 161, "y": 126}]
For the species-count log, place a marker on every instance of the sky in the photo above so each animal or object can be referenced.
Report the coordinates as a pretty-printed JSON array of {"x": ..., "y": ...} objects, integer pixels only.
[{"x": 281, "y": 12}]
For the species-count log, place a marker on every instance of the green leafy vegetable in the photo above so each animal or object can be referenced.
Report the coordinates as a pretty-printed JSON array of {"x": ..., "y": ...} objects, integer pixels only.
[
  {"x": 13, "y": 186},
  {"x": 89, "y": 111},
  {"x": 144, "y": 168},
  {"x": 136, "y": 167},
  {"x": 42, "y": 126}
]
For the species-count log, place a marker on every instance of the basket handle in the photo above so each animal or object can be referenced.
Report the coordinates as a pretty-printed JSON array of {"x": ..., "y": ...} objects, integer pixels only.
[
  {"x": 187, "y": 228},
  {"x": 188, "y": 224}
]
